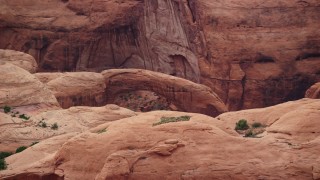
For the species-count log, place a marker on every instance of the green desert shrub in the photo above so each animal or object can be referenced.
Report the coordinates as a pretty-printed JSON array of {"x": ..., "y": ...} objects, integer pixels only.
[
  {"x": 3, "y": 164},
  {"x": 42, "y": 124},
  {"x": 256, "y": 125},
  {"x": 23, "y": 116},
  {"x": 20, "y": 149},
  {"x": 5, "y": 154},
  {"x": 242, "y": 125},
  {"x": 102, "y": 131},
  {"x": 54, "y": 126},
  {"x": 6, "y": 109},
  {"x": 249, "y": 134},
  {"x": 34, "y": 143},
  {"x": 165, "y": 120}
]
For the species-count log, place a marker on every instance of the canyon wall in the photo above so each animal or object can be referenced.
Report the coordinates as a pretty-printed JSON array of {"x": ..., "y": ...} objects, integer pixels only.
[{"x": 253, "y": 53}]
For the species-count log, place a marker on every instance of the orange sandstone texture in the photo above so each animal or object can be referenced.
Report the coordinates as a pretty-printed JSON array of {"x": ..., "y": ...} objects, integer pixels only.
[
  {"x": 201, "y": 148},
  {"x": 252, "y": 53}
]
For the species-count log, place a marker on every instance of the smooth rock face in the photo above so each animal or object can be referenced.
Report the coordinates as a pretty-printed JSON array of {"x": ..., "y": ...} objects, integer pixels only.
[
  {"x": 18, "y": 88},
  {"x": 185, "y": 95},
  {"x": 20, "y": 59},
  {"x": 313, "y": 91},
  {"x": 133, "y": 148},
  {"x": 253, "y": 53},
  {"x": 76, "y": 89}
]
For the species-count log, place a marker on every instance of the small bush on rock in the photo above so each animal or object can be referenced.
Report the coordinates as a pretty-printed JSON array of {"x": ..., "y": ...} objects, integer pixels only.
[
  {"x": 23, "y": 116},
  {"x": 242, "y": 125},
  {"x": 5, "y": 154},
  {"x": 6, "y": 109},
  {"x": 3, "y": 164},
  {"x": 34, "y": 143},
  {"x": 54, "y": 126},
  {"x": 20, "y": 149},
  {"x": 165, "y": 120},
  {"x": 256, "y": 125},
  {"x": 42, "y": 124},
  {"x": 249, "y": 134},
  {"x": 102, "y": 131}
]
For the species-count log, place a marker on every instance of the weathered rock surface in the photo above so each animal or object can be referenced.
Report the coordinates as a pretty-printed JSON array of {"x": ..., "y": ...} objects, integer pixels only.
[
  {"x": 76, "y": 89},
  {"x": 20, "y": 59},
  {"x": 16, "y": 131},
  {"x": 92, "y": 35},
  {"x": 184, "y": 94},
  {"x": 18, "y": 88},
  {"x": 291, "y": 121},
  {"x": 253, "y": 53},
  {"x": 134, "y": 148},
  {"x": 313, "y": 91},
  {"x": 261, "y": 52}
]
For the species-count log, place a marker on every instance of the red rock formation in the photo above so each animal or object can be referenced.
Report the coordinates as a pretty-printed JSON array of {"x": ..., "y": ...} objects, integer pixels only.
[
  {"x": 314, "y": 91},
  {"x": 185, "y": 95},
  {"x": 19, "y": 88},
  {"x": 22, "y": 60},
  {"x": 201, "y": 148},
  {"x": 253, "y": 53},
  {"x": 261, "y": 52},
  {"x": 94, "y": 89},
  {"x": 76, "y": 89},
  {"x": 16, "y": 132}
]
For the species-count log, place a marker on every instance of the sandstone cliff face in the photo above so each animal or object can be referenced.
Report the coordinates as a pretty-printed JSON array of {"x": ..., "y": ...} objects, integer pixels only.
[
  {"x": 252, "y": 53},
  {"x": 89, "y": 35},
  {"x": 261, "y": 52}
]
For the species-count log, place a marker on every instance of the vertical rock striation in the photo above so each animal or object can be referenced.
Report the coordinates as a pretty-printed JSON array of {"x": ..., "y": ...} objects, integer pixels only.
[{"x": 253, "y": 53}]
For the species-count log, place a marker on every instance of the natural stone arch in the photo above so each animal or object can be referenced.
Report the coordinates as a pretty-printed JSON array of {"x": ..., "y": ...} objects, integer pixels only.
[{"x": 184, "y": 94}]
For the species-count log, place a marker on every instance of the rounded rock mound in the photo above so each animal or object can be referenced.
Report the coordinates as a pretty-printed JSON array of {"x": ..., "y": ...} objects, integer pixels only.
[
  {"x": 76, "y": 88},
  {"x": 20, "y": 59},
  {"x": 156, "y": 144},
  {"x": 19, "y": 88}
]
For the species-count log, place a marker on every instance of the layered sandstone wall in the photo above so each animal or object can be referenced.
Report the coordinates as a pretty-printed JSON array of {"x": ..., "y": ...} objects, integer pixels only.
[
  {"x": 261, "y": 52},
  {"x": 253, "y": 53}
]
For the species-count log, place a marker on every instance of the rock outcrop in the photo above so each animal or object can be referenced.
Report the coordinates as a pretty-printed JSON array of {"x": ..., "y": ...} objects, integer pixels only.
[
  {"x": 313, "y": 91},
  {"x": 94, "y": 89},
  {"x": 184, "y": 94},
  {"x": 226, "y": 45},
  {"x": 20, "y": 59},
  {"x": 76, "y": 89},
  {"x": 16, "y": 131},
  {"x": 135, "y": 148},
  {"x": 19, "y": 88}
]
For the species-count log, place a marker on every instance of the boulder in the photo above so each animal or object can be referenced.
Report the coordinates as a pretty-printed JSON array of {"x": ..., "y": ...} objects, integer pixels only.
[
  {"x": 20, "y": 59},
  {"x": 20, "y": 88}
]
